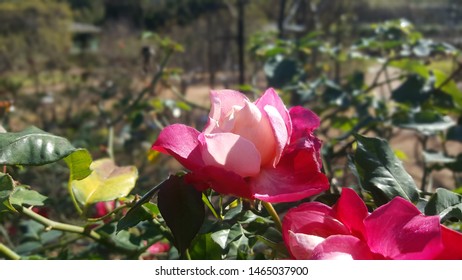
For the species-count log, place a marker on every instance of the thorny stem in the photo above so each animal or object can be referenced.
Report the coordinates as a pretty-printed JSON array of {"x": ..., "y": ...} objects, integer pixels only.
[
  {"x": 8, "y": 253},
  {"x": 50, "y": 225},
  {"x": 269, "y": 207}
]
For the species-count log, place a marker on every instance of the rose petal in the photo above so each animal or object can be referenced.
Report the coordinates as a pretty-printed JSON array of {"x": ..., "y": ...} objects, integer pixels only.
[
  {"x": 158, "y": 247},
  {"x": 254, "y": 126},
  {"x": 351, "y": 211},
  {"x": 452, "y": 241},
  {"x": 301, "y": 245},
  {"x": 280, "y": 132},
  {"x": 312, "y": 218},
  {"x": 222, "y": 103},
  {"x": 303, "y": 120},
  {"x": 230, "y": 152},
  {"x": 220, "y": 180},
  {"x": 270, "y": 97},
  {"x": 181, "y": 142},
  {"x": 341, "y": 247},
  {"x": 398, "y": 230},
  {"x": 297, "y": 176}
]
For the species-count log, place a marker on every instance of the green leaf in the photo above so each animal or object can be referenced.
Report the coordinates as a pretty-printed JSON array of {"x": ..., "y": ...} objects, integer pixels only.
[
  {"x": 183, "y": 210},
  {"x": 32, "y": 146},
  {"x": 280, "y": 71},
  {"x": 28, "y": 247},
  {"x": 106, "y": 182},
  {"x": 249, "y": 217},
  {"x": 79, "y": 164},
  {"x": 454, "y": 133},
  {"x": 449, "y": 87},
  {"x": 381, "y": 172},
  {"x": 205, "y": 248},
  {"x": 183, "y": 106},
  {"x": 411, "y": 91},
  {"x": 221, "y": 237},
  {"x": 334, "y": 94},
  {"x": 50, "y": 236},
  {"x": 272, "y": 235},
  {"x": 6, "y": 189},
  {"x": 138, "y": 215},
  {"x": 124, "y": 239},
  {"x": 134, "y": 217},
  {"x": 417, "y": 67},
  {"x": 238, "y": 243},
  {"x": 437, "y": 158},
  {"x": 446, "y": 204},
  {"x": 22, "y": 195},
  {"x": 426, "y": 122},
  {"x": 31, "y": 229},
  {"x": 234, "y": 211},
  {"x": 273, "y": 239},
  {"x": 455, "y": 166}
]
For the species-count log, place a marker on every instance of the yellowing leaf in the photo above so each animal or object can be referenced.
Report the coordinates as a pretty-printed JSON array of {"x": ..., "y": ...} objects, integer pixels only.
[{"x": 106, "y": 182}]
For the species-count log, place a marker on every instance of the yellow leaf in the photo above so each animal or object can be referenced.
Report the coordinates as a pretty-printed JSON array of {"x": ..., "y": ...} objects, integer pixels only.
[{"x": 106, "y": 182}]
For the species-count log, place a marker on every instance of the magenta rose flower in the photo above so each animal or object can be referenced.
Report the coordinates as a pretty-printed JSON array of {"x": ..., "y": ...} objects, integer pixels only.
[
  {"x": 396, "y": 230},
  {"x": 252, "y": 150},
  {"x": 158, "y": 247},
  {"x": 103, "y": 208}
]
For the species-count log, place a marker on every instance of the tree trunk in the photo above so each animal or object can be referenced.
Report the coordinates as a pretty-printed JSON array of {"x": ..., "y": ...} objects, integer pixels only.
[
  {"x": 282, "y": 9},
  {"x": 240, "y": 40},
  {"x": 210, "y": 53}
]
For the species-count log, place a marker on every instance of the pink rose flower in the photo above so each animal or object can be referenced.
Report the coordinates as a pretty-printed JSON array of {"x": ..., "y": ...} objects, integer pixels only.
[
  {"x": 252, "y": 150},
  {"x": 396, "y": 230},
  {"x": 103, "y": 208},
  {"x": 153, "y": 252},
  {"x": 158, "y": 247}
]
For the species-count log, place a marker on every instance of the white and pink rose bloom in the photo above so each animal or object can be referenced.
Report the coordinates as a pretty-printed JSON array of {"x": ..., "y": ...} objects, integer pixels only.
[
  {"x": 253, "y": 150},
  {"x": 396, "y": 230}
]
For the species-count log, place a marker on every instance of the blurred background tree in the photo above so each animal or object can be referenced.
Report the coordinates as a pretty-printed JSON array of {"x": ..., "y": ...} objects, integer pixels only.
[{"x": 33, "y": 33}]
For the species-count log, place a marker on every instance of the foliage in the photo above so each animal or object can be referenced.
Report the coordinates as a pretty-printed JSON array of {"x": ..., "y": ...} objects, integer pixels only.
[
  {"x": 33, "y": 29},
  {"x": 89, "y": 11},
  {"x": 364, "y": 91}
]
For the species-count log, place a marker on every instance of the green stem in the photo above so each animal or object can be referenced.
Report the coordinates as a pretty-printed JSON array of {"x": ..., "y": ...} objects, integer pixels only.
[
  {"x": 52, "y": 225},
  {"x": 92, "y": 220},
  {"x": 210, "y": 206},
  {"x": 269, "y": 207},
  {"x": 8, "y": 253},
  {"x": 74, "y": 200},
  {"x": 187, "y": 255},
  {"x": 110, "y": 142}
]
